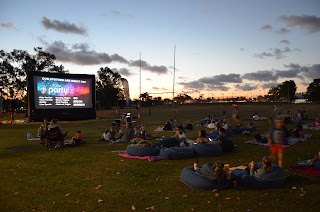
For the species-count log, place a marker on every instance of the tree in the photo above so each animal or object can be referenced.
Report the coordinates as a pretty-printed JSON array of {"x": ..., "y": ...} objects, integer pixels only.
[
  {"x": 14, "y": 67},
  {"x": 284, "y": 91},
  {"x": 108, "y": 88},
  {"x": 313, "y": 91},
  {"x": 273, "y": 93},
  {"x": 181, "y": 98},
  {"x": 287, "y": 90}
]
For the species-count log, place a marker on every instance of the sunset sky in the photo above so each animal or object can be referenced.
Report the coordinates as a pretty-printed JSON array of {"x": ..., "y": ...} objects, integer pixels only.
[{"x": 222, "y": 47}]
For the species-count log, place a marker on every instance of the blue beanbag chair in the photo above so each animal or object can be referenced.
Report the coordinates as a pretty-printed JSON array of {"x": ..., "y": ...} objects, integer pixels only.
[
  {"x": 196, "y": 181},
  {"x": 317, "y": 164},
  {"x": 206, "y": 150},
  {"x": 135, "y": 150},
  {"x": 229, "y": 132},
  {"x": 176, "y": 153},
  {"x": 275, "y": 178}
]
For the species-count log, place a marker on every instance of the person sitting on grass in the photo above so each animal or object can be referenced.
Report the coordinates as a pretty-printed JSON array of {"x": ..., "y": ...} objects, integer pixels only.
[
  {"x": 106, "y": 136},
  {"x": 265, "y": 168},
  {"x": 259, "y": 138},
  {"x": 137, "y": 132},
  {"x": 42, "y": 130},
  {"x": 78, "y": 138},
  {"x": 226, "y": 144},
  {"x": 297, "y": 132},
  {"x": 181, "y": 137},
  {"x": 202, "y": 138}
]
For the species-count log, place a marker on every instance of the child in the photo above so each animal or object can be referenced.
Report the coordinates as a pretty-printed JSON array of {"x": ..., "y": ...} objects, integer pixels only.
[
  {"x": 275, "y": 140},
  {"x": 77, "y": 139},
  {"x": 266, "y": 167},
  {"x": 42, "y": 130},
  {"x": 137, "y": 132}
]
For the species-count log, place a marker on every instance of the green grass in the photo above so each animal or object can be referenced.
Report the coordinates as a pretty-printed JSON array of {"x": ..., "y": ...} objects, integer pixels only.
[{"x": 66, "y": 179}]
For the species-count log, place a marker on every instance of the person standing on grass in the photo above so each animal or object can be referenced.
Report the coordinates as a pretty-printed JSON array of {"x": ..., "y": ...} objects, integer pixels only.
[
  {"x": 275, "y": 140},
  {"x": 223, "y": 110}
]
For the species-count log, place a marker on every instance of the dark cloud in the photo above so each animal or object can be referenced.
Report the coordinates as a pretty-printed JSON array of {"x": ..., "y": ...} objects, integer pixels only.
[
  {"x": 79, "y": 54},
  {"x": 312, "y": 72},
  {"x": 273, "y": 52},
  {"x": 193, "y": 84},
  {"x": 146, "y": 66},
  {"x": 287, "y": 74},
  {"x": 8, "y": 25},
  {"x": 310, "y": 23},
  {"x": 81, "y": 46},
  {"x": 64, "y": 27},
  {"x": 246, "y": 87},
  {"x": 260, "y": 76},
  {"x": 216, "y": 82},
  {"x": 269, "y": 85},
  {"x": 118, "y": 58},
  {"x": 123, "y": 72},
  {"x": 292, "y": 66},
  {"x": 282, "y": 31},
  {"x": 285, "y": 42},
  {"x": 266, "y": 27}
]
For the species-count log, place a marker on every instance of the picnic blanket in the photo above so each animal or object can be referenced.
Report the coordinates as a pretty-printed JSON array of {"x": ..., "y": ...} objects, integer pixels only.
[
  {"x": 291, "y": 141},
  {"x": 306, "y": 170},
  {"x": 34, "y": 139},
  {"x": 311, "y": 126},
  {"x": 148, "y": 158}
]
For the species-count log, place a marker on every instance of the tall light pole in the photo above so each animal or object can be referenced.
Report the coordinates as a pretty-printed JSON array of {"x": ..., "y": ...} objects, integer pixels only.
[{"x": 174, "y": 74}]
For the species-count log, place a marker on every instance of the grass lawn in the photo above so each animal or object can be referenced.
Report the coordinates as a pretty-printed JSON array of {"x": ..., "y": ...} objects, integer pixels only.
[{"x": 94, "y": 178}]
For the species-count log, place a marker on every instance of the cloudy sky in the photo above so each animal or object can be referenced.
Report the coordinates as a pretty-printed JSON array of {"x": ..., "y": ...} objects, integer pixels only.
[{"x": 222, "y": 47}]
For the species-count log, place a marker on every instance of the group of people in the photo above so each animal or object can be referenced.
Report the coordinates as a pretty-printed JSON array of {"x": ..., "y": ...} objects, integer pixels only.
[
  {"x": 46, "y": 126},
  {"x": 218, "y": 170}
]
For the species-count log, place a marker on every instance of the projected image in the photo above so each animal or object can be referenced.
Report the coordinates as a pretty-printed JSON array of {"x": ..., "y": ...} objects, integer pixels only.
[{"x": 53, "y": 92}]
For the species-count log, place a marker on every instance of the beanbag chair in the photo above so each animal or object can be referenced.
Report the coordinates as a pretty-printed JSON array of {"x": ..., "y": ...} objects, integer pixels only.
[
  {"x": 195, "y": 180},
  {"x": 176, "y": 153},
  {"x": 206, "y": 150},
  {"x": 275, "y": 178},
  {"x": 135, "y": 150},
  {"x": 229, "y": 132},
  {"x": 317, "y": 164}
]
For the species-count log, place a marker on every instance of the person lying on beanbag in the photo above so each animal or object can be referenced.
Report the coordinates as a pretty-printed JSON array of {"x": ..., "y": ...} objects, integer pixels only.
[{"x": 266, "y": 167}]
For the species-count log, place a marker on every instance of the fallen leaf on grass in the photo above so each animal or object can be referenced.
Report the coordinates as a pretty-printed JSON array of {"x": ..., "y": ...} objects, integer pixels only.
[
  {"x": 209, "y": 202},
  {"x": 214, "y": 190},
  {"x": 166, "y": 198},
  {"x": 228, "y": 198},
  {"x": 118, "y": 173},
  {"x": 238, "y": 198},
  {"x": 216, "y": 194},
  {"x": 100, "y": 200},
  {"x": 294, "y": 188},
  {"x": 66, "y": 195},
  {"x": 121, "y": 160},
  {"x": 151, "y": 208},
  {"x": 133, "y": 207},
  {"x": 16, "y": 193},
  {"x": 184, "y": 196},
  {"x": 77, "y": 201},
  {"x": 99, "y": 186},
  {"x": 301, "y": 195}
]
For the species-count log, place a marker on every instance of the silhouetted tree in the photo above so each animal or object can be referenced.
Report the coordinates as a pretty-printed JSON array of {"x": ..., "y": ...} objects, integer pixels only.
[
  {"x": 313, "y": 91},
  {"x": 181, "y": 98},
  {"x": 108, "y": 88},
  {"x": 14, "y": 67},
  {"x": 287, "y": 90}
]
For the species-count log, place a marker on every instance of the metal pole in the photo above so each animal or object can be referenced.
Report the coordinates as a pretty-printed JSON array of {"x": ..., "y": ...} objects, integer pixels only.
[
  {"x": 174, "y": 74},
  {"x": 140, "y": 75}
]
